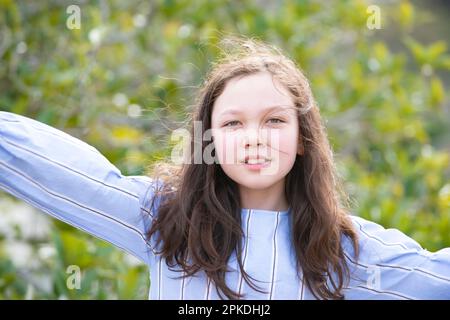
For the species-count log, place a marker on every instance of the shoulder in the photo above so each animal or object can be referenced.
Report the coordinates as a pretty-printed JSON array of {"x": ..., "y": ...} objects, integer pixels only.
[
  {"x": 376, "y": 234},
  {"x": 377, "y": 243},
  {"x": 150, "y": 191}
]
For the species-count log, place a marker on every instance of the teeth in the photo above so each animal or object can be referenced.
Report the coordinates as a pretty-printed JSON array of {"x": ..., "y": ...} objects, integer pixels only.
[{"x": 256, "y": 161}]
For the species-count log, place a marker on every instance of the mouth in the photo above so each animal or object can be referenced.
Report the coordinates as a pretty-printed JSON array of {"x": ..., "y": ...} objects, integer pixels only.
[{"x": 256, "y": 162}]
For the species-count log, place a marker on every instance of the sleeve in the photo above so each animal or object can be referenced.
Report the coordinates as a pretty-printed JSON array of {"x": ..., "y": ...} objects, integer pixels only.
[
  {"x": 71, "y": 181},
  {"x": 391, "y": 265}
]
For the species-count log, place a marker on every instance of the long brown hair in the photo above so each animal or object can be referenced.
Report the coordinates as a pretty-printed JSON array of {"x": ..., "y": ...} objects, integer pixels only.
[{"x": 198, "y": 225}]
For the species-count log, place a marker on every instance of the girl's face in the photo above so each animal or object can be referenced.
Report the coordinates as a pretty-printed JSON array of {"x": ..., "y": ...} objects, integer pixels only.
[{"x": 255, "y": 120}]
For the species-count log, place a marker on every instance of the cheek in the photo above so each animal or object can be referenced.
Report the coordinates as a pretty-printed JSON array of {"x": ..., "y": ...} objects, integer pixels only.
[
  {"x": 227, "y": 147},
  {"x": 288, "y": 149},
  {"x": 285, "y": 143},
  {"x": 289, "y": 143}
]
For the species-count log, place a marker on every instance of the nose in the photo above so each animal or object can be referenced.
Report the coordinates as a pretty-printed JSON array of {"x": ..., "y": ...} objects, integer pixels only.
[{"x": 252, "y": 138}]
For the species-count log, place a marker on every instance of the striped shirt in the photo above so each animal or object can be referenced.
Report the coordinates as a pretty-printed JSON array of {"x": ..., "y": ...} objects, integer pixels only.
[{"x": 71, "y": 181}]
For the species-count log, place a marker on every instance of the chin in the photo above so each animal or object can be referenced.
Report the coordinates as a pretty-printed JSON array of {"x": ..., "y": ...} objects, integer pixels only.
[{"x": 256, "y": 182}]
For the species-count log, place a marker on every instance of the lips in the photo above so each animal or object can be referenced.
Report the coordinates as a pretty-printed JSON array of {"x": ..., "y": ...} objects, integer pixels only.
[{"x": 255, "y": 160}]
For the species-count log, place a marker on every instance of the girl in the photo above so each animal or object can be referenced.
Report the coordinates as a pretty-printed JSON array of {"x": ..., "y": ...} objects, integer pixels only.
[{"x": 262, "y": 221}]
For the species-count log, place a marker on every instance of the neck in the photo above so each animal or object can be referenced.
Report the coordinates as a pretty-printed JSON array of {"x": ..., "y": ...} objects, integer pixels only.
[{"x": 272, "y": 198}]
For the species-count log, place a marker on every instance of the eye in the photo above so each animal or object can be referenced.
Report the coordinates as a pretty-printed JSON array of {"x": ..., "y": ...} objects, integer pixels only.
[
  {"x": 231, "y": 122},
  {"x": 275, "y": 119}
]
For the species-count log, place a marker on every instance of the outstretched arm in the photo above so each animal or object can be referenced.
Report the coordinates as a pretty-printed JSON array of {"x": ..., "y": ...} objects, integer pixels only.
[
  {"x": 71, "y": 181},
  {"x": 394, "y": 266}
]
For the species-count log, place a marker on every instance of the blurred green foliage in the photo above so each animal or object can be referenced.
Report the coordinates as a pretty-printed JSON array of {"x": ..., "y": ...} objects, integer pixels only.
[{"x": 125, "y": 79}]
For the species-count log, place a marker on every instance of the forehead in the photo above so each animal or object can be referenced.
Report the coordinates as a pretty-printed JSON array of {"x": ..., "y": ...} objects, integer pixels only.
[{"x": 252, "y": 93}]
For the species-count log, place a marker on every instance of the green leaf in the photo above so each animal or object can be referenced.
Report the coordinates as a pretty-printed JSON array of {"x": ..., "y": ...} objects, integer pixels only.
[{"x": 437, "y": 91}]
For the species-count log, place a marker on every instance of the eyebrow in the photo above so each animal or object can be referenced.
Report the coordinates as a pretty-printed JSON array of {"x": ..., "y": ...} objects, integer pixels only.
[{"x": 239, "y": 111}]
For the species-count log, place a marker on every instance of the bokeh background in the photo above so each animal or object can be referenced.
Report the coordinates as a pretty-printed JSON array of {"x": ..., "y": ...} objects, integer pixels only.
[{"x": 125, "y": 79}]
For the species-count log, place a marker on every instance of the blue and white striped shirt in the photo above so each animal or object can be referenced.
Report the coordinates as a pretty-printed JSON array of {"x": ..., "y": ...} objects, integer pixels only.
[{"x": 71, "y": 181}]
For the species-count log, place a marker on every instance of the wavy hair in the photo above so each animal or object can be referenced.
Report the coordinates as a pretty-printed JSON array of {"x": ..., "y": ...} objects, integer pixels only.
[{"x": 198, "y": 225}]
